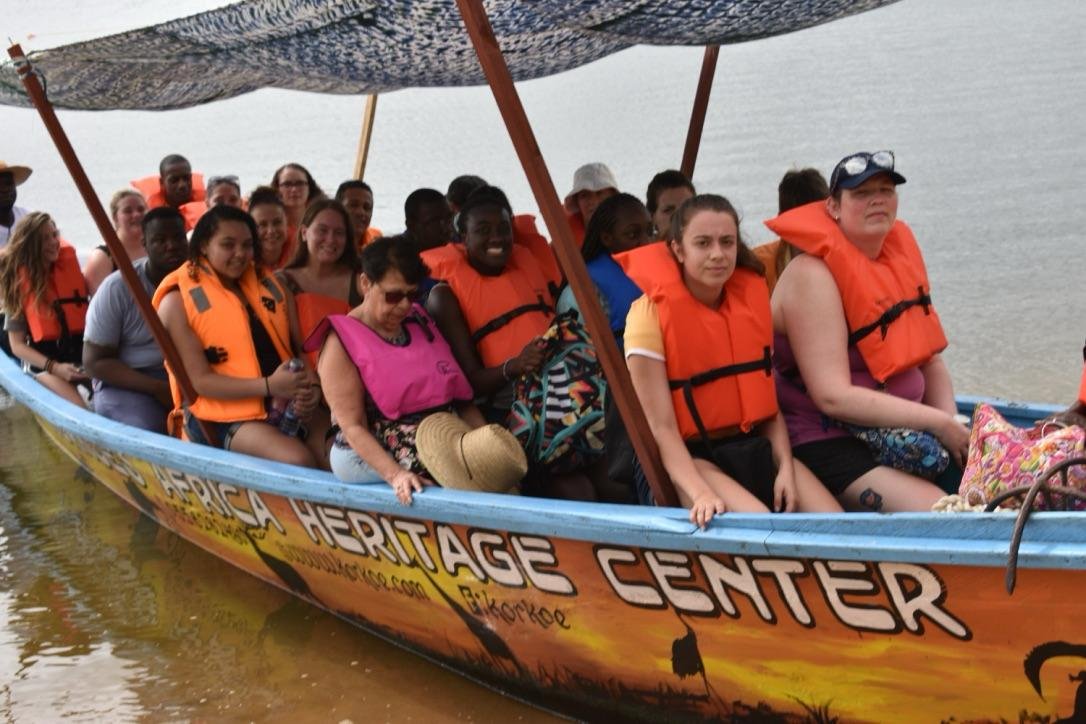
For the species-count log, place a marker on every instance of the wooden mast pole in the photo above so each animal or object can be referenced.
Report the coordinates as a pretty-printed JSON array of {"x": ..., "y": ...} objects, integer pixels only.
[
  {"x": 697, "y": 115},
  {"x": 363, "y": 152},
  {"x": 535, "y": 168},
  {"x": 109, "y": 235}
]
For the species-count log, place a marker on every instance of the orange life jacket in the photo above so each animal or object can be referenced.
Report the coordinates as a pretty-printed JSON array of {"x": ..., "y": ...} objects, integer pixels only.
[
  {"x": 62, "y": 312},
  {"x": 527, "y": 235},
  {"x": 719, "y": 364},
  {"x": 191, "y": 213},
  {"x": 312, "y": 309},
  {"x": 576, "y": 225},
  {"x": 151, "y": 188},
  {"x": 370, "y": 234},
  {"x": 887, "y": 301},
  {"x": 503, "y": 312},
  {"x": 218, "y": 319},
  {"x": 1082, "y": 387}
]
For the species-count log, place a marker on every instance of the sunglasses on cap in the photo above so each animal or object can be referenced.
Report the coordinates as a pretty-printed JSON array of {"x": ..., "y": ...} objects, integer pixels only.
[
  {"x": 862, "y": 166},
  {"x": 398, "y": 295},
  {"x": 230, "y": 179}
]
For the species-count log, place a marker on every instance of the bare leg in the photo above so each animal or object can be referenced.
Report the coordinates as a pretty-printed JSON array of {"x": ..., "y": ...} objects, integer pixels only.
[
  {"x": 264, "y": 441},
  {"x": 885, "y": 490},
  {"x": 735, "y": 496},
  {"x": 811, "y": 495},
  {"x": 61, "y": 387}
]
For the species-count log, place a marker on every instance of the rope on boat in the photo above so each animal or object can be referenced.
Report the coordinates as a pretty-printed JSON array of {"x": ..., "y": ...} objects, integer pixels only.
[{"x": 1031, "y": 492}]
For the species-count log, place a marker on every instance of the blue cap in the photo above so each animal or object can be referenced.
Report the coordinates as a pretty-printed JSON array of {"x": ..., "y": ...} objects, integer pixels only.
[{"x": 854, "y": 169}]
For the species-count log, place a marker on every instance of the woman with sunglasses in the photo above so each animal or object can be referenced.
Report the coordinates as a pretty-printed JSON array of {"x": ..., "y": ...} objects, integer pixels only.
[
  {"x": 297, "y": 189},
  {"x": 322, "y": 278},
  {"x": 228, "y": 319},
  {"x": 858, "y": 343},
  {"x": 384, "y": 366}
]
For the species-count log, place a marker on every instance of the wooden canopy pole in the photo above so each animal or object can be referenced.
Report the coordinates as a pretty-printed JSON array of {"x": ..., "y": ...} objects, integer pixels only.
[
  {"x": 697, "y": 115},
  {"x": 109, "y": 235},
  {"x": 535, "y": 168},
  {"x": 363, "y": 153}
]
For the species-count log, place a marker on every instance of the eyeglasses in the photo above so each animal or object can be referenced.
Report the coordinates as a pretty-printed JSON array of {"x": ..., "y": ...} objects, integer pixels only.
[
  {"x": 398, "y": 295},
  {"x": 294, "y": 184}
]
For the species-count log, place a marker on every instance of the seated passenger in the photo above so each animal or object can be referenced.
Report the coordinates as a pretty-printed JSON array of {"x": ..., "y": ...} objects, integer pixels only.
[
  {"x": 119, "y": 351},
  {"x": 357, "y": 197},
  {"x": 270, "y": 216},
  {"x": 126, "y": 208},
  {"x": 666, "y": 192},
  {"x": 428, "y": 219},
  {"x": 176, "y": 186},
  {"x": 322, "y": 278},
  {"x": 621, "y": 223},
  {"x": 857, "y": 339},
  {"x": 377, "y": 371},
  {"x": 297, "y": 189},
  {"x": 795, "y": 189},
  {"x": 460, "y": 188},
  {"x": 229, "y": 322},
  {"x": 45, "y": 302},
  {"x": 494, "y": 306},
  {"x": 592, "y": 183},
  {"x": 224, "y": 190},
  {"x": 698, "y": 350}
]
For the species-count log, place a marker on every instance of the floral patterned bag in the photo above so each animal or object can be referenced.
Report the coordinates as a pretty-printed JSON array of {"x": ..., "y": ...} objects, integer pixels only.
[{"x": 1002, "y": 456}]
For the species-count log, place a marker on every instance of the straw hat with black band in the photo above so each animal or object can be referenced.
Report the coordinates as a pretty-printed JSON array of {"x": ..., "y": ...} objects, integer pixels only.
[{"x": 486, "y": 459}]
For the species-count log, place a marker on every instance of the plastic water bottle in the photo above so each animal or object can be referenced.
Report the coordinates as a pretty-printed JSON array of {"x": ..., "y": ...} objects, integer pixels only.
[{"x": 289, "y": 424}]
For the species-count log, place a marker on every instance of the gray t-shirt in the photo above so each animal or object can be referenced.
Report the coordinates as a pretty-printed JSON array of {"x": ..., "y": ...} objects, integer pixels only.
[{"x": 114, "y": 320}]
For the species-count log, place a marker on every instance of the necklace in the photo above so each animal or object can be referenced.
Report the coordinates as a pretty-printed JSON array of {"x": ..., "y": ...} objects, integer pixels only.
[{"x": 399, "y": 339}]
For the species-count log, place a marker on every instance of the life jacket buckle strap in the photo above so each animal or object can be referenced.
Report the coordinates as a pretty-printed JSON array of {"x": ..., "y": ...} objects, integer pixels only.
[
  {"x": 503, "y": 319},
  {"x": 765, "y": 363}
]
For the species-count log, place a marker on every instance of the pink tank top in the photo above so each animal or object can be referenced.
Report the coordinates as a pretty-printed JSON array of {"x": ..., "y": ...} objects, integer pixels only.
[{"x": 400, "y": 379}]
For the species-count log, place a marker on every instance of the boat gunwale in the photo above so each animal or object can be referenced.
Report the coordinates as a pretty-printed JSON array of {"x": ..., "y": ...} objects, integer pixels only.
[{"x": 1052, "y": 539}]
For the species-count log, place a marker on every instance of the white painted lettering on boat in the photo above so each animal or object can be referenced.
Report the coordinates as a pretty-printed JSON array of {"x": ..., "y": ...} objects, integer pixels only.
[
  {"x": 895, "y": 597},
  {"x": 510, "y": 560},
  {"x": 216, "y": 498},
  {"x": 498, "y": 564},
  {"x": 416, "y": 532}
]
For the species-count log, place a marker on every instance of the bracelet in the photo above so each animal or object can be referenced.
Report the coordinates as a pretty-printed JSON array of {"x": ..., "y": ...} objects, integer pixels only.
[
  {"x": 50, "y": 363},
  {"x": 267, "y": 387},
  {"x": 505, "y": 374}
]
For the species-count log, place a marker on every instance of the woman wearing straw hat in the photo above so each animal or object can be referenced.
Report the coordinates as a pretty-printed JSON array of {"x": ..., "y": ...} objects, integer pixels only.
[{"x": 390, "y": 380}]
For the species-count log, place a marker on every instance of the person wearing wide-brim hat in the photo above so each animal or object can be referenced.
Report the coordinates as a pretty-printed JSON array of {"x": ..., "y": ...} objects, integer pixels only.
[
  {"x": 486, "y": 459},
  {"x": 592, "y": 183},
  {"x": 10, "y": 177}
]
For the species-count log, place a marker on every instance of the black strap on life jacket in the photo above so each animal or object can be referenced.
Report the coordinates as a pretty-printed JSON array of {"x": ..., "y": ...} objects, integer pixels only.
[
  {"x": 503, "y": 319},
  {"x": 75, "y": 300},
  {"x": 423, "y": 324},
  {"x": 703, "y": 378},
  {"x": 891, "y": 315}
]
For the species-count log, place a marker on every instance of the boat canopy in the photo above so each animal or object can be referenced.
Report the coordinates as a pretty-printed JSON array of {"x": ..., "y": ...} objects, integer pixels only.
[{"x": 376, "y": 46}]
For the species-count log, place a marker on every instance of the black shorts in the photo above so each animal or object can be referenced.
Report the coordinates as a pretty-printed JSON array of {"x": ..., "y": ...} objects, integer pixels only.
[{"x": 838, "y": 462}]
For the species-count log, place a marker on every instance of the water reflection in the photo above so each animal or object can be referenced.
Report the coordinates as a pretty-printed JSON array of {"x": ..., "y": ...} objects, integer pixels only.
[{"x": 104, "y": 615}]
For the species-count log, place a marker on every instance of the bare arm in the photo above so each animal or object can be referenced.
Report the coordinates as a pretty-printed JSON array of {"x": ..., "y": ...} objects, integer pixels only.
[
  {"x": 650, "y": 381},
  {"x": 102, "y": 363},
  {"x": 98, "y": 267},
  {"x": 34, "y": 358},
  {"x": 282, "y": 383},
  {"x": 938, "y": 389},
  {"x": 296, "y": 340}
]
